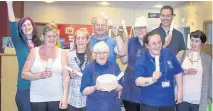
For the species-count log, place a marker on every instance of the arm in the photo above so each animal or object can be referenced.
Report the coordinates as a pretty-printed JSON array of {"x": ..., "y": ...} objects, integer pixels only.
[
  {"x": 14, "y": 33},
  {"x": 124, "y": 59},
  {"x": 86, "y": 82},
  {"x": 65, "y": 73},
  {"x": 147, "y": 81},
  {"x": 179, "y": 80},
  {"x": 144, "y": 81},
  {"x": 11, "y": 15},
  {"x": 120, "y": 48},
  {"x": 26, "y": 72}
]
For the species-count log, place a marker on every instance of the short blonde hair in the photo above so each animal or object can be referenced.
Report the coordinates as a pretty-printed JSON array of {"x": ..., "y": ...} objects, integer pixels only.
[
  {"x": 81, "y": 32},
  {"x": 50, "y": 27},
  {"x": 100, "y": 46}
]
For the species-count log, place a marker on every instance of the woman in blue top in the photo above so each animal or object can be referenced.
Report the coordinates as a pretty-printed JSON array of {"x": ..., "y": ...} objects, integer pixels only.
[
  {"x": 98, "y": 100},
  {"x": 157, "y": 86},
  {"x": 24, "y": 38},
  {"x": 131, "y": 93}
]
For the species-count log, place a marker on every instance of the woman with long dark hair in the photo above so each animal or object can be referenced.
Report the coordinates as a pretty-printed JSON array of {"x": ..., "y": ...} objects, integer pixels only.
[{"x": 23, "y": 36}]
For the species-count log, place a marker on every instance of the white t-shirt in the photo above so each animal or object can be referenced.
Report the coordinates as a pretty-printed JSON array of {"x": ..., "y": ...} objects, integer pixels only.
[{"x": 192, "y": 83}]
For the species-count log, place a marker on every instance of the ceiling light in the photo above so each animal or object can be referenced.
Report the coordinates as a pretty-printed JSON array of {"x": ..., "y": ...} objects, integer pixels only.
[
  {"x": 104, "y": 3},
  {"x": 49, "y": 1},
  {"x": 158, "y": 6}
]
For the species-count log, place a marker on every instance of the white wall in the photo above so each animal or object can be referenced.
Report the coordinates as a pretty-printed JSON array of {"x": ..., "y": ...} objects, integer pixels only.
[
  {"x": 70, "y": 14},
  {"x": 195, "y": 14}
]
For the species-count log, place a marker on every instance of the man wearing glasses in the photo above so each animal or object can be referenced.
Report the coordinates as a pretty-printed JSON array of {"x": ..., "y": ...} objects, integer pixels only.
[{"x": 171, "y": 38}]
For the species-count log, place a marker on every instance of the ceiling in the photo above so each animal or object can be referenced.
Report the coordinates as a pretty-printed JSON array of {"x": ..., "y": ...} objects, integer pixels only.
[{"x": 141, "y": 4}]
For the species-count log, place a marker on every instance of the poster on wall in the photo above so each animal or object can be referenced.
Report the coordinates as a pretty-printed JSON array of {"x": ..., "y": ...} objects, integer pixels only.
[
  {"x": 69, "y": 30},
  {"x": 153, "y": 15}
]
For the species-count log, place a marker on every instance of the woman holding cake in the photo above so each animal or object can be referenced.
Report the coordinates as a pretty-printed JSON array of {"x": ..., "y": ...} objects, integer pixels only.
[
  {"x": 197, "y": 79},
  {"x": 131, "y": 93},
  {"x": 78, "y": 59},
  {"x": 97, "y": 99},
  {"x": 155, "y": 70}
]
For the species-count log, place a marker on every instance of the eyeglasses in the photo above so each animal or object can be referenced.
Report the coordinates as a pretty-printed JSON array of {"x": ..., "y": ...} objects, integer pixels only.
[
  {"x": 140, "y": 28},
  {"x": 101, "y": 53}
]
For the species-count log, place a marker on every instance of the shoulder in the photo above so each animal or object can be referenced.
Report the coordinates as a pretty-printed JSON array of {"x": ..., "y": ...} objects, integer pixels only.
[
  {"x": 89, "y": 66},
  {"x": 206, "y": 57},
  {"x": 132, "y": 39},
  {"x": 178, "y": 33},
  {"x": 167, "y": 52},
  {"x": 71, "y": 53}
]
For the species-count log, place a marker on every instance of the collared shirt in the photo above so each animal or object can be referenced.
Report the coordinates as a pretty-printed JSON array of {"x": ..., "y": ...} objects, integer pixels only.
[
  {"x": 111, "y": 42},
  {"x": 75, "y": 98},
  {"x": 177, "y": 43},
  {"x": 156, "y": 95}
]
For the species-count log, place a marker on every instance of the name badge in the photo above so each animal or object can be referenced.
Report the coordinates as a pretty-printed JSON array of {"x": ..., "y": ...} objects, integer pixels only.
[{"x": 165, "y": 84}]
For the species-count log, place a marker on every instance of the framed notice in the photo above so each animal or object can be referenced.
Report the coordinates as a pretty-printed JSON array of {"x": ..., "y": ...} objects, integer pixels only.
[
  {"x": 69, "y": 30},
  {"x": 153, "y": 15}
]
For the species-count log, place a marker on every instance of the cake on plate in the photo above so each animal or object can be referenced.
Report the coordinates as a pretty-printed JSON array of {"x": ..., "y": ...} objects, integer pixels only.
[{"x": 106, "y": 82}]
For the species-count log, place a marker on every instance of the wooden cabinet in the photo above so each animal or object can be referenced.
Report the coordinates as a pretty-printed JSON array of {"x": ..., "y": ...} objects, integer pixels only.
[{"x": 9, "y": 74}]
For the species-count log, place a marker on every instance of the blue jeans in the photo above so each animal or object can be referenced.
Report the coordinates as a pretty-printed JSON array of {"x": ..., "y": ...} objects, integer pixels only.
[{"x": 23, "y": 99}]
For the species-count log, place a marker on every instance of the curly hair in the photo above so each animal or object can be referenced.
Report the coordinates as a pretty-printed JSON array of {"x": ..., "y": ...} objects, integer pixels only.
[{"x": 50, "y": 27}]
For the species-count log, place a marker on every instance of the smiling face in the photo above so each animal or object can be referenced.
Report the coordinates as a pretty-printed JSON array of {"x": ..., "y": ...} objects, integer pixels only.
[
  {"x": 195, "y": 44},
  {"x": 100, "y": 26},
  {"x": 166, "y": 17},
  {"x": 50, "y": 38},
  {"x": 81, "y": 41},
  {"x": 101, "y": 52},
  {"x": 101, "y": 56},
  {"x": 140, "y": 32},
  {"x": 154, "y": 44},
  {"x": 27, "y": 28}
]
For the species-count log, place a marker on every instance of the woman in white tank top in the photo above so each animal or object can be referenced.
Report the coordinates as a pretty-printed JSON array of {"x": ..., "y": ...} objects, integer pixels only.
[{"x": 49, "y": 80}]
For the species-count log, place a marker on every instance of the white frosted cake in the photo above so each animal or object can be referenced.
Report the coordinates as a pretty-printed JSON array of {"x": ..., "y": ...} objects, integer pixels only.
[{"x": 106, "y": 82}]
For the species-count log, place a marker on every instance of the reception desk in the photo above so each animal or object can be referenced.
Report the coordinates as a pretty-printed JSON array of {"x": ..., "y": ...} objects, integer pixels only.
[{"x": 9, "y": 73}]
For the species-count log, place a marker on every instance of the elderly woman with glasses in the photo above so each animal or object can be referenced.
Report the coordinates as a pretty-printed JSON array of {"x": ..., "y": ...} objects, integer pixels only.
[{"x": 98, "y": 100}]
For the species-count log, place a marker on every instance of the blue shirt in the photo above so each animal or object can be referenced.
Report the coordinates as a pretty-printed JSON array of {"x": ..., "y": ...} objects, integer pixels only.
[
  {"x": 111, "y": 42},
  {"x": 155, "y": 95},
  {"x": 135, "y": 49},
  {"x": 177, "y": 43},
  {"x": 100, "y": 100},
  {"x": 22, "y": 52}
]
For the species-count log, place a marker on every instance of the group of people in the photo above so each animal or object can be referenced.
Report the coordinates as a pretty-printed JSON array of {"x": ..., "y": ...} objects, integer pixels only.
[{"x": 42, "y": 87}]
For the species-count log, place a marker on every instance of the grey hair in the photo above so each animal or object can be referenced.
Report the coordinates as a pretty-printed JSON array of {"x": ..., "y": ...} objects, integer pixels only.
[{"x": 100, "y": 46}]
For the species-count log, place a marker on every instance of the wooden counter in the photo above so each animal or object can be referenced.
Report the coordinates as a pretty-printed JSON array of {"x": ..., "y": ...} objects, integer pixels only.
[{"x": 9, "y": 73}]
